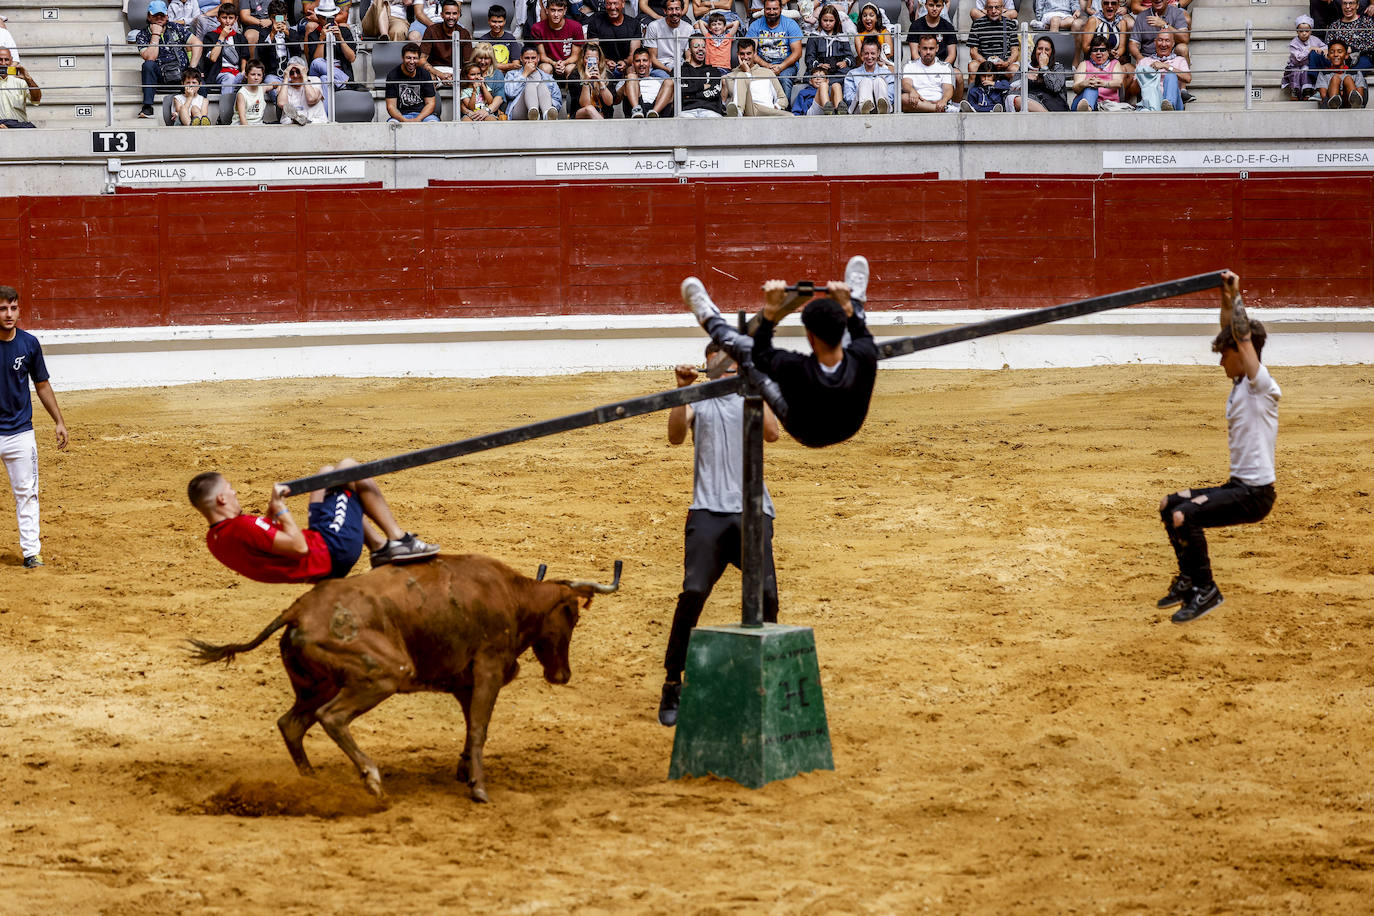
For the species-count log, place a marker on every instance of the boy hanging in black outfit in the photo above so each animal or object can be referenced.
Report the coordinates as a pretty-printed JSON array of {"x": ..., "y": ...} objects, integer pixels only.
[{"x": 820, "y": 399}]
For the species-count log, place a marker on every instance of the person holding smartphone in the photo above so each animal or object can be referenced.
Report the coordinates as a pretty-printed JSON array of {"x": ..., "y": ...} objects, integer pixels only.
[
  {"x": 17, "y": 91},
  {"x": 319, "y": 21},
  {"x": 276, "y": 47}
]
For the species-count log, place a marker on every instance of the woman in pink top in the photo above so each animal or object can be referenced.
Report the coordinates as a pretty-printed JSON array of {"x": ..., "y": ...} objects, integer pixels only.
[{"x": 1098, "y": 79}]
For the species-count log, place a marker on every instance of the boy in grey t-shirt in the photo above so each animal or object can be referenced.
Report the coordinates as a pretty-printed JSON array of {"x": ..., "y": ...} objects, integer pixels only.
[
  {"x": 1252, "y": 422},
  {"x": 712, "y": 537}
]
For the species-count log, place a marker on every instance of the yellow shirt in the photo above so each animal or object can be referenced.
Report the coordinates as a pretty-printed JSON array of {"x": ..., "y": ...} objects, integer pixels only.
[{"x": 14, "y": 97}]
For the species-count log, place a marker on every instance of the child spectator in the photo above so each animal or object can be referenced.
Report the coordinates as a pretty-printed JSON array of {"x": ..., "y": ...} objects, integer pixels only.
[
  {"x": 870, "y": 23},
  {"x": 250, "y": 103},
  {"x": 1338, "y": 83},
  {"x": 1297, "y": 79},
  {"x": 807, "y": 100},
  {"x": 720, "y": 37},
  {"x": 830, "y": 51},
  {"x": 505, "y": 46},
  {"x": 987, "y": 92},
  {"x": 478, "y": 101},
  {"x": 190, "y": 107}
]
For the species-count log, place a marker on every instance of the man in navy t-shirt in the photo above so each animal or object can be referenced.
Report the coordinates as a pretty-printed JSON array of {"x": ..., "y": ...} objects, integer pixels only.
[{"x": 22, "y": 359}]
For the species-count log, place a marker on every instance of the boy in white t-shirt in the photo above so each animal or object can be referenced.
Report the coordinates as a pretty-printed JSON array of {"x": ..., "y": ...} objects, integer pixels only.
[{"x": 1252, "y": 425}]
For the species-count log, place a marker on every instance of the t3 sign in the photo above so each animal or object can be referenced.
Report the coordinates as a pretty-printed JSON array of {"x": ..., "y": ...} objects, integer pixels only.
[{"x": 112, "y": 141}]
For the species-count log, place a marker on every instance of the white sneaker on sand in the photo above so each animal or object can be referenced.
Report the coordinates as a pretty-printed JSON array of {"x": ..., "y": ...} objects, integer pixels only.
[
  {"x": 699, "y": 303},
  {"x": 855, "y": 277}
]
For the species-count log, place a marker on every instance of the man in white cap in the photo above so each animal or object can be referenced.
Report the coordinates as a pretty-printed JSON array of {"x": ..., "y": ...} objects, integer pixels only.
[
  {"x": 318, "y": 21},
  {"x": 167, "y": 49}
]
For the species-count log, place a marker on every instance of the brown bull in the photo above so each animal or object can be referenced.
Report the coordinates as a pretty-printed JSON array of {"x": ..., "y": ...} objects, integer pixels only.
[{"x": 456, "y": 625}]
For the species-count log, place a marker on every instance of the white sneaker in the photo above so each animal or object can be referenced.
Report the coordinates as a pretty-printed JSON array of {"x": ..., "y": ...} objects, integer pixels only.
[
  {"x": 866, "y": 108},
  {"x": 733, "y": 111},
  {"x": 1039, "y": 24},
  {"x": 883, "y": 106},
  {"x": 700, "y": 304},
  {"x": 550, "y": 114},
  {"x": 856, "y": 277}
]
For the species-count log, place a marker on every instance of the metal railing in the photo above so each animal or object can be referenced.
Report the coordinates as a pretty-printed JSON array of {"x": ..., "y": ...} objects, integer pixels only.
[{"x": 570, "y": 85}]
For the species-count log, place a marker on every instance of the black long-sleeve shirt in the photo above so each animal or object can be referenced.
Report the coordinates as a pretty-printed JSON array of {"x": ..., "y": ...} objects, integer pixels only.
[{"x": 823, "y": 408}]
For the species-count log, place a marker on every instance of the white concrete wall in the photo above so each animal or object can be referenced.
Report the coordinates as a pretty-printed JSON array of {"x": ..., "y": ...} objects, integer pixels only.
[
  {"x": 46, "y": 162},
  {"x": 480, "y": 348}
]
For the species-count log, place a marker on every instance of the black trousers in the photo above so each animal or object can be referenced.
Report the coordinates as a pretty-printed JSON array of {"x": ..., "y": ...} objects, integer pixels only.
[
  {"x": 1232, "y": 503},
  {"x": 711, "y": 542}
]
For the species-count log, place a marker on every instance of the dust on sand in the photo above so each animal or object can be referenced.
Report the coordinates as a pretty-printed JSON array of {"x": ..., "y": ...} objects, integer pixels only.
[{"x": 1015, "y": 727}]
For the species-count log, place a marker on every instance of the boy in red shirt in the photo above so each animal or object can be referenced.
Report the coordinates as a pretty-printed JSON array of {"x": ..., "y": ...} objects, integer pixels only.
[{"x": 274, "y": 548}]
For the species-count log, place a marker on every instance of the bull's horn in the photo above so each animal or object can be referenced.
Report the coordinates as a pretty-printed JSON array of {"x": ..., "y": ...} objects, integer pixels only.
[
  {"x": 599, "y": 588},
  {"x": 543, "y": 568}
]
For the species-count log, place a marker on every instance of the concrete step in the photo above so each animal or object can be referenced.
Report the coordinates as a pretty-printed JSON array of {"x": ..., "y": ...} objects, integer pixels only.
[
  {"x": 1275, "y": 16},
  {"x": 73, "y": 33}
]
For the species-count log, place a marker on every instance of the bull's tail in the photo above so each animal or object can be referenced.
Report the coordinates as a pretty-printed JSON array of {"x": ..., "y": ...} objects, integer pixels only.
[{"x": 205, "y": 652}]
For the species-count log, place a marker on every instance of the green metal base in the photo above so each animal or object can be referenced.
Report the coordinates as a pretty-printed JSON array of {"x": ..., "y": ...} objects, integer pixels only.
[{"x": 751, "y": 707}]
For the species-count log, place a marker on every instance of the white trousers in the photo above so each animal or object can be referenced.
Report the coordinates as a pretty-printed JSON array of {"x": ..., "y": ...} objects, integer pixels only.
[{"x": 20, "y": 454}]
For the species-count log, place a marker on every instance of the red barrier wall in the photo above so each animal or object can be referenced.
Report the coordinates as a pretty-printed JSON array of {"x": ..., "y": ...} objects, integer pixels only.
[{"x": 212, "y": 256}]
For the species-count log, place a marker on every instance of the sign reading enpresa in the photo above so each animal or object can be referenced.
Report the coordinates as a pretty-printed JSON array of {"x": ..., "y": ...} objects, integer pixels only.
[
  {"x": 1237, "y": 159},
  {"x": 252, "y": 171},
  {"x": 666, "y": 166}
]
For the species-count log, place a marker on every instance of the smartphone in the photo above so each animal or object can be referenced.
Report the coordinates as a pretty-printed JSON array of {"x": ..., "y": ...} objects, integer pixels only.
[
  {"x": 11, "y": 71},
  {"x": 279, "y": 18}
]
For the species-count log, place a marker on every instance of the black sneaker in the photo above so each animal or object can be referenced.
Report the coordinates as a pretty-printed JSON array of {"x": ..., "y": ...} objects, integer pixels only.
[
  {"x": 33, "y": 562},
  {"x": 1180, "y": 590},
  {"x": 146, "y": 112},
  {"x": 1200, "y": 603},
  {"x": 667, "y": 706},
  {"x": 407, "y": 549}
]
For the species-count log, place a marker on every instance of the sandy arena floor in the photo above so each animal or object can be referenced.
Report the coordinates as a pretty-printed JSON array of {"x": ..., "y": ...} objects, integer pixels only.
[{"x": 1015, "y": 727}]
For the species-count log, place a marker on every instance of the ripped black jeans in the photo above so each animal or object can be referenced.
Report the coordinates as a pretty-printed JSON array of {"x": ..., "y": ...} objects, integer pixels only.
[{"x": 1232, "y": 503}]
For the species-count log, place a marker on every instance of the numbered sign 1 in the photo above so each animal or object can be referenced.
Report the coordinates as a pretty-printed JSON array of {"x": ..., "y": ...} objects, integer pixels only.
[
  {"x": 112, "y": 141},
  {"x": 66, "y": 63},
  {"x": 1259, "y": 44},
  {"x": 85, "y": 111},
  {"x": 51, "y": 13}
]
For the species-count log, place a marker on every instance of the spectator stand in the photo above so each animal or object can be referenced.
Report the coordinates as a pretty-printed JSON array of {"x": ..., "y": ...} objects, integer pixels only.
[{"x": 1218, "y": 50}]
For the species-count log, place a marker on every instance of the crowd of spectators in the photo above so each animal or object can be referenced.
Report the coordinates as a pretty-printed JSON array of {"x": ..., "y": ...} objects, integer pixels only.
[{"x": 592, "y": 59}]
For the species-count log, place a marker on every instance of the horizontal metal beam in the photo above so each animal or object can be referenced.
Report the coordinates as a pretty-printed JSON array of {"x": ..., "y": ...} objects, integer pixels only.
[
  {"x": 905, "y": 345},
  {"x": 607, "y": 413}
]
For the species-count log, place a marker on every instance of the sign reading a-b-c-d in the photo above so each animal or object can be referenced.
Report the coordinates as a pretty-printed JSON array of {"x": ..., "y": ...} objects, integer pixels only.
[{"x": 663, "y": 166}]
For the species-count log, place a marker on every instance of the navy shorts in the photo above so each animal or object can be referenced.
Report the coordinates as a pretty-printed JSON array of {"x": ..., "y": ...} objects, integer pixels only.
[{"x": 338, "y": 518}]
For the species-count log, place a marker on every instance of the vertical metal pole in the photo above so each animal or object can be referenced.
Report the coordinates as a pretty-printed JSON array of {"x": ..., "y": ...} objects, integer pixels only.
[
  {"x": 1249, "y": 48},
  {"x": 752, "y": 518},
  {"x": 457, "y": 78},
  {"x": 329, "y": 75},
  {"x": 677, "y": 78},
  {"x": 1026, "y": 49},
  {"x": 109, "y": 84}
]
